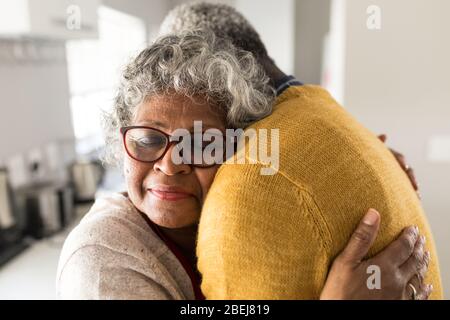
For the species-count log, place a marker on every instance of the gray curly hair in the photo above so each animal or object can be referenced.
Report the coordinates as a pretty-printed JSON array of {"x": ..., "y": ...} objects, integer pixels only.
[
  {"x": 223, "y": 20},
  {"x": 192, "y": 63}
]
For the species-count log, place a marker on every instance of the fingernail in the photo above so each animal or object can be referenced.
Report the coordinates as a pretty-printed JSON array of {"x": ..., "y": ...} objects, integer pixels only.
[
  {"x": 371, "y": 217},
  {"x": 417, "y": 229},
  {"x": 430, "y": 287},
  {"x": 424, "y": 240}
]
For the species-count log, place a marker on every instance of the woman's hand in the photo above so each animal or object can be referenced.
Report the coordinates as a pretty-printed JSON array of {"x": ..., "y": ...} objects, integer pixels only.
[
  {"x": 403, "y": 164},
  {"x": 402, "y": 264}
]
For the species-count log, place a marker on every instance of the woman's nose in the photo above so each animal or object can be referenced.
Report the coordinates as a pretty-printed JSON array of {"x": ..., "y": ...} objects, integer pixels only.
[{"x": 168, "y": 167}]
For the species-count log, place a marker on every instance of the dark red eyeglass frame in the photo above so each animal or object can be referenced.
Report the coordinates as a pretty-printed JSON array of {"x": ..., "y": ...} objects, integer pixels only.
[{"x": 124, "y": 130}]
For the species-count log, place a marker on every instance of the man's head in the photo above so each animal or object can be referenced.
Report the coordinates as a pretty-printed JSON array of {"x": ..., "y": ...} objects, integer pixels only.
[{"x": 224, "y": 21}]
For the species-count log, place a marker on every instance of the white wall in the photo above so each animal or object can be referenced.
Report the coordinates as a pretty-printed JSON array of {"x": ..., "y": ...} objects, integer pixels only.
[
  {"x": 151, "y": 11},
  {"x": 34, "y": 97},
  {"x": 312, "y": 23},
  {"x": 275, "y": 22},
  {"x": 398, "y": 82}
]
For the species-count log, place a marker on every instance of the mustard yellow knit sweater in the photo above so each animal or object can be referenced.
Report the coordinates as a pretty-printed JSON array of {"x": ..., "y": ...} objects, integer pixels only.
[{"x": 275, "y": 236}]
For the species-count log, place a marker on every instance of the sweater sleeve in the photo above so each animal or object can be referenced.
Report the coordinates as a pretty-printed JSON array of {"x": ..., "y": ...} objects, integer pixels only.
[
  {"x": 261, "y": 237},
  {"x": 97, "y": 272}
]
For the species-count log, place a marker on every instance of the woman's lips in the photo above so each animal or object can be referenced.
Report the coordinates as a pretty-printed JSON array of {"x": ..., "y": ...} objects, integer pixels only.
[{"x": 169, "y": 194}]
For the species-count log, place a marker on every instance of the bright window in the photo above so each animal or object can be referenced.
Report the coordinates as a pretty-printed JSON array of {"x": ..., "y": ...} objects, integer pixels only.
[{"x": 94, "y": 68}]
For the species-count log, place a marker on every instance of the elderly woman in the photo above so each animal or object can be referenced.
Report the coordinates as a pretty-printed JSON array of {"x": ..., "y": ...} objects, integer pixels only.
[{"x": 140, "y": 244}]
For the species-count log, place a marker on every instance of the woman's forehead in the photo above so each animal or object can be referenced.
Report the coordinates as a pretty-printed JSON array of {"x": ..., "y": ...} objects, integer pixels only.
[{"x": 178, "y": 111}]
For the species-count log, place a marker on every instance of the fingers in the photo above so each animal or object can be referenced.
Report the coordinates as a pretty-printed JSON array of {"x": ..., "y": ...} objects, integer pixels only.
[
  {"x": 412, "y": 178},
  {"x": 408, "y": 170},
  {"x": 382, "y": 137},
  {"x": 362, "y": 238},
  {"x": 413, "y": 288},
  {"x": 400, "y": 249},
  {"x": 402, "y": 162},
  {"x": 415, "y": 269},
  {"x": 407, "y": 263},
  {"x": 400, "y": 159},
  {"x": 423, "y": 268},
  {"x": 425, "y": 292},
  {"x": 417, "y": 263},
  {"x": 422, "y": 291}
]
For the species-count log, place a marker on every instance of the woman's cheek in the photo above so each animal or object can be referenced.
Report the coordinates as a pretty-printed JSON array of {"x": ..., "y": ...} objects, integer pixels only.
[{"x": 134, "y": 176}]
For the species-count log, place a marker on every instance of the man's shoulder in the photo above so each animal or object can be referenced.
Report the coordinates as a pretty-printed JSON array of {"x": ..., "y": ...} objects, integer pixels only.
[{"x": 299, "y": 106}]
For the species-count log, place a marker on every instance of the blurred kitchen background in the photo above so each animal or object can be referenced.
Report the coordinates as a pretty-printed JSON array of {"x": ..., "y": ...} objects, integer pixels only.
[{"x": 386, "y": 61}]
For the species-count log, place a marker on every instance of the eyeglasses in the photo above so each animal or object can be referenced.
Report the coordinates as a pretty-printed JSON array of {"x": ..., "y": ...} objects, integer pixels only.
[{"x": 147, "y": 144}]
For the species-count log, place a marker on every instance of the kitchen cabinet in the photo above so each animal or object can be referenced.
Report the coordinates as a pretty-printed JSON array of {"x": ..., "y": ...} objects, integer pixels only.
[{"x": 49, "y": 19}]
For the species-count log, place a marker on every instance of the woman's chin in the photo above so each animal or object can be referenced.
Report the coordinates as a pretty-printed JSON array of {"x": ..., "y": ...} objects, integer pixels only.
[
  {"x": 173, "y": 217},
  {"x": 172, "y": 223}
]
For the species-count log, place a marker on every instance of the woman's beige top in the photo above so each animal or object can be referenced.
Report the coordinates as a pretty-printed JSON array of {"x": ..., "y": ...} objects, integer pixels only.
[{"x": 114, "y": 254}]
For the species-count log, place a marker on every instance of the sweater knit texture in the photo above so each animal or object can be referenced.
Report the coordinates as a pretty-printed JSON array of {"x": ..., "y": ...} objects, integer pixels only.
[{"x": 275, "y": 236}]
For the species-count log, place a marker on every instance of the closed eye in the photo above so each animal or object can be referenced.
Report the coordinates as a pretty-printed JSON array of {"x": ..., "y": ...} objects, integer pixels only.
[{"x": 149, "y": 142}]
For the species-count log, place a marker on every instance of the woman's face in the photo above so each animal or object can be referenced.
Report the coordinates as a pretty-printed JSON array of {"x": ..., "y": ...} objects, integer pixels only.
[{"x": 170, "y": 194}]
